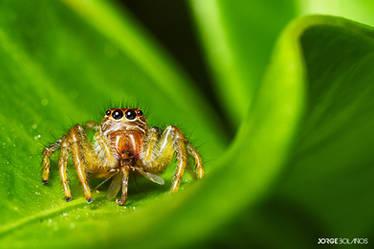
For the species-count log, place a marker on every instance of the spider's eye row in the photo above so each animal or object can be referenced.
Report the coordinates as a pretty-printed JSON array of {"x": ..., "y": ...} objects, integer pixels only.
[
  {"x": 140, "y": 112},
  {"x": 130, "y": 114},
  {"x": 108, "y": 112},
  {"x": 117, "y": 114}
]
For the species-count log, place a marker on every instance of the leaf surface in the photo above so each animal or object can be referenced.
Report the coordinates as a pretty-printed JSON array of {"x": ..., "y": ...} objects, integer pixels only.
[
  {"x": 325, "y": 188},
  {"x": 79, "y": 55},
  {"x": 58, "y": 69},
  {"x": 238, "y": 40}
]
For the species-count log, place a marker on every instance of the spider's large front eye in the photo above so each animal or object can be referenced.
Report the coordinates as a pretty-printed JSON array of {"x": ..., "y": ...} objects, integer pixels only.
[
  {"x": 130, "y": 114},
  {"x": 117, "y": 114}
]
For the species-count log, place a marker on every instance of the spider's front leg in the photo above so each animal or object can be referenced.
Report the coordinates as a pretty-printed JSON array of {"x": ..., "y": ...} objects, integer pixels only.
[
  {"x": 47, "y": 153},
  {"x": 192, "y": 151},
  {"x": 158, "y": 153},
  {"x": 92, "y": 125},
  {"x": 77, "y": 142},
  {"x": 52, "y": 148}
]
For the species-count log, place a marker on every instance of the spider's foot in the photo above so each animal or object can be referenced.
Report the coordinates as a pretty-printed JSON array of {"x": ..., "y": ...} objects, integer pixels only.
[
  {"x": 199, "y": 173},
  {"x": 121, "y": 202},
  {"x": 68, "y": 198},
  {"x": 45, "y": 182},
  {"x": 89, "y": 200}
]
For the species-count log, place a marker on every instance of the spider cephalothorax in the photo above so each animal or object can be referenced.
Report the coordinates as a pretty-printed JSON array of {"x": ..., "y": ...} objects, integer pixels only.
[
  {"x": 123, "y": 143},
  {"x": 125, "y": 130}
]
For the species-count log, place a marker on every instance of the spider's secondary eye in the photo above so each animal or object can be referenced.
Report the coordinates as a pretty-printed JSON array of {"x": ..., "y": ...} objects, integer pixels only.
[
  {"x": 117, "y": 114},
  {"x": 108, "y": 112},
  {"x": 140, "y": 112},
  {"x": 130, "y": 115}
]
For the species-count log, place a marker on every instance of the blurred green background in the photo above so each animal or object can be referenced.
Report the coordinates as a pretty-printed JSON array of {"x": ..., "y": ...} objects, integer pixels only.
[{"x": 280, "y": 106}]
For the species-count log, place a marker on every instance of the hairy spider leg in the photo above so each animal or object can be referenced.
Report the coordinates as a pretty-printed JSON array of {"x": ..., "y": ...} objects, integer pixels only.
[
  {"x": 78, "y": 142},
  {"x": 92, "y": 125},
  {"x": 105, "y": 146},
  {"x": 47, "y": 153},
  {"x": 125, "y": 182},
  {"x": 150, "y": 141},
  {"x": 162, "y": 150},
  {"x": 181, "y": 155},
  {"x": 197, "y": 158},
  {"x": 95, "y": 165},
  {"x": 62, "y": 166},
  {"x": 79, "y": 145}
]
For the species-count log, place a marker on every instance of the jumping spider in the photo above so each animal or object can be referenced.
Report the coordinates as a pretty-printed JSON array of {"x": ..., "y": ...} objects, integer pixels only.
[{"x": 123, "y": 143}]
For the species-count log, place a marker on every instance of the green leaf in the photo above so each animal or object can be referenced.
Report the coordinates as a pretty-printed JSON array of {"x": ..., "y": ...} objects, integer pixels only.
[
  {"x": 60, "y": 67},
  {"x": 46, "y": 214},
  {"x": 334, "y": 150},
  {"x": 238, "y": 39},
  {"x": 325, "y": 190},
  {"x": 359, "y": 10},
  {"x": 62, "y": 62}
]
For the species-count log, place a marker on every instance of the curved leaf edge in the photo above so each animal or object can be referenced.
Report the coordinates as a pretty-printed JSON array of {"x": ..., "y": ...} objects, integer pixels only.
[
  {"x": 270, "y": 128},
  {"x": 196, "y": 207}
]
